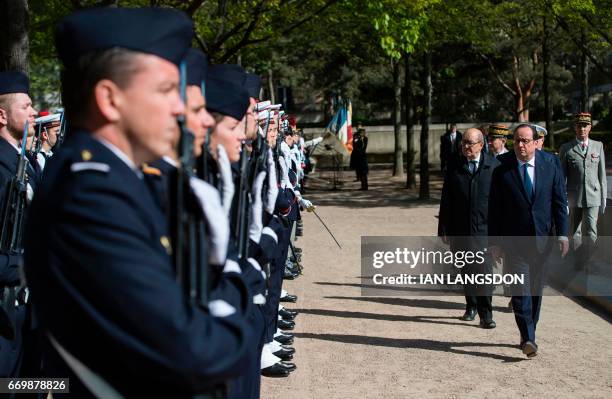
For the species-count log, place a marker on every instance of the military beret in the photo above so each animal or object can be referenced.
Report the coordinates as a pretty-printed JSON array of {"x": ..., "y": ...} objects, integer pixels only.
[
  {"x": 14, "y": 82},
  {"x": 197, "y": 65},
  {"x": 498, "y": 131},
  {"x": 226, "y": 98},
  {"x": 252, "y": 83},
  {"x": 583, "y": 117},
  {"x": 163, "y": 32}
]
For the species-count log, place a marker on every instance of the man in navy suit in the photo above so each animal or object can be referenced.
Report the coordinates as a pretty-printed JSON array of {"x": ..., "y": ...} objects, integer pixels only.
[{"x": 528, "y": 204}]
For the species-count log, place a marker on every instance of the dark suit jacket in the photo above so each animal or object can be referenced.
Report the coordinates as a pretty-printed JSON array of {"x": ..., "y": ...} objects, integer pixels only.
[
  {"x": 448, "y": 151},
  {"x": 464, "y": 206},
  {"x": 512, "y": 213}
]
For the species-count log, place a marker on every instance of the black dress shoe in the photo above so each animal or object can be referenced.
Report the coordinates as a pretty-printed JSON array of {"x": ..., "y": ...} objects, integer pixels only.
[
  {"x": 289, "y": 349},
  {"x": 530, "y": 349},
  {"x": 286, "y": 325},
  {"x": 276, "y": 370},
  {"x": 287, "y": 365},
  {"x": 289, "y": 298},
  {"x": 287, "y": 315},
  {"x": 289, "y": 275},
  {"x": 284, "y": 354},
  {"x": 284, "y": 339},
  {"x": 487, "y": 324},
  {"x": 469, "y": 315}
]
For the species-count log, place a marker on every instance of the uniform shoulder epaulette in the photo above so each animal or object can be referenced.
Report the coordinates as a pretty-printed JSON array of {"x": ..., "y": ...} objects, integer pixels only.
[{"x": 150, "y": 170}]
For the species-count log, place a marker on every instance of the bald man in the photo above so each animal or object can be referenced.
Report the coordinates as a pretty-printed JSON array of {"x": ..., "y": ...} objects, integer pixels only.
[{"x": 464, "y": 216}]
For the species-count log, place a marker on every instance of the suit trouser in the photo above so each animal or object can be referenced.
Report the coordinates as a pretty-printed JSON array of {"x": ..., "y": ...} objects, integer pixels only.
[
  {"x": 479, "y": 297},
  {"x": 584, "y": 222},
  {"x": 527, "y": 306}
]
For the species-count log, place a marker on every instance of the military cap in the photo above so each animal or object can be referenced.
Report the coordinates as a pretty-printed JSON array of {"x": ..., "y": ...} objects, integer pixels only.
[
  {"x": 232, "y": 73},
  {"x": 583, "y": 117},
  {"x": 48, "y": 119},
  {"x": 14, "y": 82},
  {"x": 226, "y": 98},
  {"x": 197, "y": 65},
  {"x": 498, "y": 131},
  {"x": 163, "y": 32},
  {"x": 541, "y": 131},
  {"x": 252, "y": 84}
]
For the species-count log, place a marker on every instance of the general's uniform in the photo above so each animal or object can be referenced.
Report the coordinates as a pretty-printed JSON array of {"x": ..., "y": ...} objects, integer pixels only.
[{"x": 585, "y": 170}]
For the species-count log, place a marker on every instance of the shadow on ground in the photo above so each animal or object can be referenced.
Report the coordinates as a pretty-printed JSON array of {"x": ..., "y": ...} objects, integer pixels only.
[
  {"x": 384, "y": 190},
  {"x": 427, "y": 344},
  {"x": 415, "y": 303}
]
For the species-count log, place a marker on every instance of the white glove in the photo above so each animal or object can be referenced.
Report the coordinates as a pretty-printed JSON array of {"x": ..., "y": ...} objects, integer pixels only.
[
  {"x": 285, "y": 183},
  {"x": 602, "y": 209},
  {"x": 307, "y": 205},
  {"x": 272, "y": 184},
  {"x": 225, "y": 168},
  {"x": 256, "y": 222},
  {"x": 218, "y": 223}
]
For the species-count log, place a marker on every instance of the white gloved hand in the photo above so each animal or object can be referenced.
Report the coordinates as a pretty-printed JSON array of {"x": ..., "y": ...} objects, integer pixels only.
[
  {"x": 218, "y": 223},
  {"x": 225, "y": 169},
  {"x": 256, "y": 222},
  {"x": 272, "y": 184},
  {"x": 602, "y": 209},
  {"x": 285, "y": 183},
  {"x": 307, "y": 204}
]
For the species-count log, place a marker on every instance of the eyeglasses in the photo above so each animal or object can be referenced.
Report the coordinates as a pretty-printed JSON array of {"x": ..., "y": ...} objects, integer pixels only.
[
  {"x": 523, "y": 141},
  {"x": 469, "y": 143}
]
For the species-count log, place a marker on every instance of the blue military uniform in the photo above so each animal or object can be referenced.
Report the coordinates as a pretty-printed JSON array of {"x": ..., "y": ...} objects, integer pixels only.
[
  {"x": 14, "y": 320},
  {"x": 98, "y": 253}
]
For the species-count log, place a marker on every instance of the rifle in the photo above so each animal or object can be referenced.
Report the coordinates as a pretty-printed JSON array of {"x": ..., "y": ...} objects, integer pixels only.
[
  {"x": 249, "y": 169},
  {"x": 13, "y": 208},
  {"x": 190, "y": 254},
  {"x": 61, "y": 135}
]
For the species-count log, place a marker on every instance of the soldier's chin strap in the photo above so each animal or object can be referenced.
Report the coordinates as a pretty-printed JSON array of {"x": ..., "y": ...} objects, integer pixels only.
[{"x": 97, "y": 385}]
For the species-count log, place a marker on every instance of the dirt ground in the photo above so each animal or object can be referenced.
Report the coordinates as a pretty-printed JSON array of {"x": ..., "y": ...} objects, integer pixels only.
[{"x": 349, "y": 346}]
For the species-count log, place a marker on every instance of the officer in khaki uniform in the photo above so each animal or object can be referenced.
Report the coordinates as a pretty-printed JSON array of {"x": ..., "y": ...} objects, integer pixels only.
[{"x": 584, "y": 165}]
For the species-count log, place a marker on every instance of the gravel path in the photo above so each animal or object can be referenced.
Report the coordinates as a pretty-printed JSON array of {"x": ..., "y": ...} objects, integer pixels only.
[{"x": 349, "y": 346}]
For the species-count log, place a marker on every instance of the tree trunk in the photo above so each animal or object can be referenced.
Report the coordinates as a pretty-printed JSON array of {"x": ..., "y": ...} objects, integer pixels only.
[
  {"x": 398, "y": 162},
  {"x": 409, "y": 112},
  {"x": 14, "y": 38},
  {"x": 522, "y": 113},
  {"x": 584, "y": 80},
  {"x": 425, "y": 119},
  {"x": 271, "y": 86},
  {"x": 546, "y": 84}
]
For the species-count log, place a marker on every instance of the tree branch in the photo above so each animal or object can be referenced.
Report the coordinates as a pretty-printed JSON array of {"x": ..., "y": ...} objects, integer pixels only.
[
  {"x": 597, "y": 29},
  {"x": 194, "y": 6},
  {"x": 295, "y": 25},
  {"x": 497, "y": 75},
  {"x": 563, "y": 24}
]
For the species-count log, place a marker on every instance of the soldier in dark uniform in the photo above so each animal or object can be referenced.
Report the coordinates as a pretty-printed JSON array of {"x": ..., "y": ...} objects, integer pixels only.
[
  {"x": 360, "y": 158},
  {"x": 100, "y": 257},
  {"x": 15, "y": 111}
]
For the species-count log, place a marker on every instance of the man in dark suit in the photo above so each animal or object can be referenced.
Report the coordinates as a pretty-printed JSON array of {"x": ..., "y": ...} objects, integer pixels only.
[
  {"x": 528, "y": 213},
  {"x": 464, "y": 215},
  {"x": 450, "y": 146}
]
